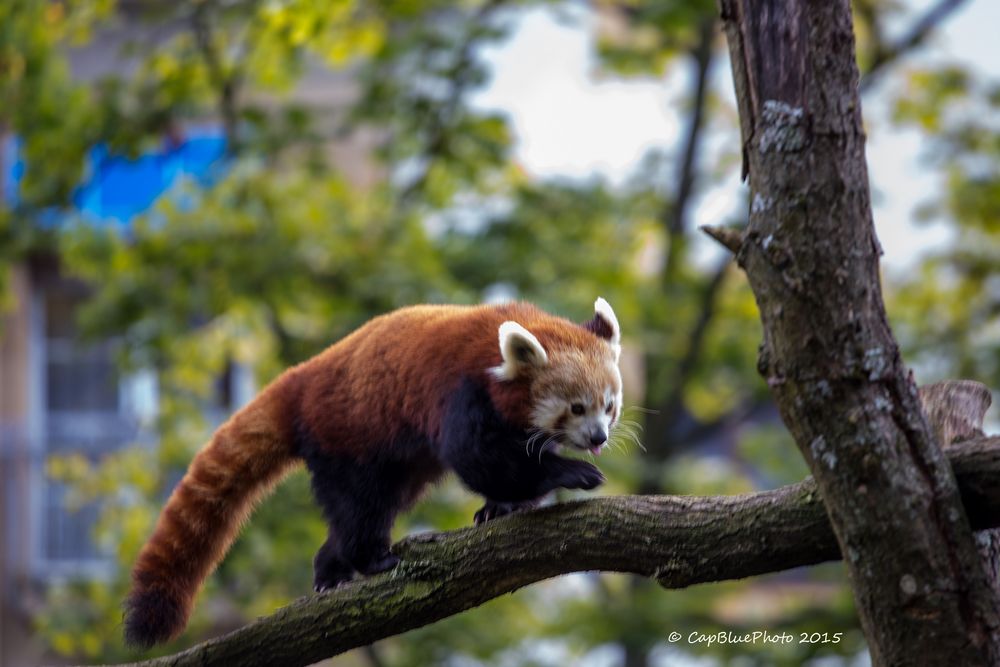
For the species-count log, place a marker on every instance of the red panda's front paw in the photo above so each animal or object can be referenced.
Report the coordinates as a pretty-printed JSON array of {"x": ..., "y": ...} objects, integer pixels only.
[
  {"x": 494, "y": 509},
  {"x": 581, "y": 475}
]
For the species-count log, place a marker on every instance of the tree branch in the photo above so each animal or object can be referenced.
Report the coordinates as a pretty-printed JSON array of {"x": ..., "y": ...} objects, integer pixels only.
[
  {"x": 885, "y": 55},
  {"x": 662, "y": 425},
  {"x": 226, "y": 80},
  {"x": 730, "y": 238},
  {"x": 458, "y": 85},
  {"x": 677, "y": 540},
  {"x": 675, "y": 215},
  {"x": 666, "y": 426}
]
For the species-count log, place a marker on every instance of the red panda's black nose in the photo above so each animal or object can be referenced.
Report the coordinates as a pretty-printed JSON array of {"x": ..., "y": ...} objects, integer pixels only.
[{"x": 598, "y": 438}]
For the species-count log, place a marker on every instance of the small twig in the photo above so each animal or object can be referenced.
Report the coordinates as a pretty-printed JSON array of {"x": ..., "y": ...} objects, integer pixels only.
[{"x": 730, "y": 237}]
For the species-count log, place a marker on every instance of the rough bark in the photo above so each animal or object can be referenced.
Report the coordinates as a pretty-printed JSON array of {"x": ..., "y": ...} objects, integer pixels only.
[
  {"x": 828, "y": 354},
  {"x": 677, "y": 540}
]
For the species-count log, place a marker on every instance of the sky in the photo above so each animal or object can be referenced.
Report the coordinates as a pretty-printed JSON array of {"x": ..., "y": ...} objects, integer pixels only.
[{"x": 568, "y": 121}]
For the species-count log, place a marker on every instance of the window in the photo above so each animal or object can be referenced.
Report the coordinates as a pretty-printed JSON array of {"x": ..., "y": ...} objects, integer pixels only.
[
  {"x": 80, "y": 377},
  {"x": 88, "y": 409},
  {"x": 79, "y": 402}
]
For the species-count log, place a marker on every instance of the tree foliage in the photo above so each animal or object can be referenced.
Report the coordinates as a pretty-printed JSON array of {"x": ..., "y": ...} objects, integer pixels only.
[
  {"x": 283, "y": 252},
  {"x": 950, "y": 308}
]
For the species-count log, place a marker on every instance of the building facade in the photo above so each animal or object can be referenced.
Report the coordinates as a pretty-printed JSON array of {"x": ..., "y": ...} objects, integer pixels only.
[{"x": 62, "y": 395}]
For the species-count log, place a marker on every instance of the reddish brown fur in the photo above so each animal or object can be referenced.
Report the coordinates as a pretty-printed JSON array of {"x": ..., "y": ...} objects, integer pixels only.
[
  {"x": 397, "y": 370},
  {"x": 392, "y": 375},
  {"x": 245, "y": 457}
]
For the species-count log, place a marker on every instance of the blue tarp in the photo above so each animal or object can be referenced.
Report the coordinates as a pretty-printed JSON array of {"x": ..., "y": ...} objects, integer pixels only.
[{"x": 120, "y": 188}]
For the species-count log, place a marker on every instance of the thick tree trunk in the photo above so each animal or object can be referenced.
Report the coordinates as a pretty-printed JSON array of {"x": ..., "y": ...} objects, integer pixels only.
[
  {"x": 828, "y": 354},
  {"x": 679, "y": 541}
]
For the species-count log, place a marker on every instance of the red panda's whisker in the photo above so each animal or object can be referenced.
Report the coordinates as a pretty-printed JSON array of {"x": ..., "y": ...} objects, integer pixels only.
[
  {"x": 628, "y": 429},
  {"x": 554, "y": 437},
  {"x": 529, "y": 443}
]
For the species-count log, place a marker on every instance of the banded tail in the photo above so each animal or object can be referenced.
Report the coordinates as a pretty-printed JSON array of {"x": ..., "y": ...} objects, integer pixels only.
[{"x": 244, "y": 459}]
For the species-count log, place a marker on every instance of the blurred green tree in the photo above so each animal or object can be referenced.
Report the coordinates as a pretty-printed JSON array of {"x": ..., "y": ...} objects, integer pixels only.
[
  {"x": 284, "y": 254},
  {"x": 950, "y": 310}
]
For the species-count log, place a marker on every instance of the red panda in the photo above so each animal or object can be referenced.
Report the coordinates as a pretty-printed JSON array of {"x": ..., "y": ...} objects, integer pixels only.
[{"x": 489, "y": 392}]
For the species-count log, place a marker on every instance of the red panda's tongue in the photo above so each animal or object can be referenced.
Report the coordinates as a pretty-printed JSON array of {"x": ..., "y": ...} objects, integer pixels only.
[{"x": 596, "y": 450}]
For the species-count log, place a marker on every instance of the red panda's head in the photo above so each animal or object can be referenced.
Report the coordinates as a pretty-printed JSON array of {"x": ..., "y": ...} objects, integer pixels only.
[{"x": 572, "y": 370}]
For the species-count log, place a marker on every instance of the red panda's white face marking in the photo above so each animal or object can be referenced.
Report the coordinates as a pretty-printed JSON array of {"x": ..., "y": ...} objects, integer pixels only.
[
  {"x": 576, "y": 388},
  {"x": 577, "y": 398}
]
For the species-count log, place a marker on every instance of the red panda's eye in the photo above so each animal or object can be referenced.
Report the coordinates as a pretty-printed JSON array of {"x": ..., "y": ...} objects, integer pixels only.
[
  {"x": 611, "y": 406},
  {"x": 577, "y": 408}
]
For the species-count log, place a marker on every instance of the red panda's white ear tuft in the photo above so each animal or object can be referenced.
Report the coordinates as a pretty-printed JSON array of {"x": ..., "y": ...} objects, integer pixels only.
[
  {"x": 520, "y": 351},
  {"x": 604, "y": 324},
  {"x": 603, "y": 310}
]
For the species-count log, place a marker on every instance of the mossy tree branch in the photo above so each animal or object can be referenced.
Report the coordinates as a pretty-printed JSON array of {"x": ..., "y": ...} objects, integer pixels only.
[{"x": 678, "y": 540}]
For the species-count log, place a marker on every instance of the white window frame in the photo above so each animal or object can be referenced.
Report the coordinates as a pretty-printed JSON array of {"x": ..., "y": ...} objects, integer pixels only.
[{"x": 138, "y": 398}]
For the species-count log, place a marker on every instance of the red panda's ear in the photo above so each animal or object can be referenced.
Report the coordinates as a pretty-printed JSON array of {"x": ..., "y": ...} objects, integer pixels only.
[
  {"x": 604, "y": 323},
  {"x": 520, "y": 350}
]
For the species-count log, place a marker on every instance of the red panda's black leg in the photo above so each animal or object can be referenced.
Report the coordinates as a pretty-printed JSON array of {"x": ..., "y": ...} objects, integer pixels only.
[{"x": 360, "y": 502}]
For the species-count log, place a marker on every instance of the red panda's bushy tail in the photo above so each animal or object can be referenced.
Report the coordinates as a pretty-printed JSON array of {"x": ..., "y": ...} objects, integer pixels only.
[{"x": 245, "y": 458}]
